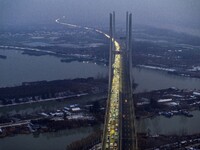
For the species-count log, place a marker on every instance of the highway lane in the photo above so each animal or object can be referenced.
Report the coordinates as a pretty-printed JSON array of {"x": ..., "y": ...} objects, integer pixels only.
[
  {"x": 112, "y": 129},
  {"x": 128, "y": 133}
]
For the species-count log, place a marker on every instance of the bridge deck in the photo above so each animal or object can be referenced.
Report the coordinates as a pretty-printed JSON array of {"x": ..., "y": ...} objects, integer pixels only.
[{"x": 119, "y": 130}]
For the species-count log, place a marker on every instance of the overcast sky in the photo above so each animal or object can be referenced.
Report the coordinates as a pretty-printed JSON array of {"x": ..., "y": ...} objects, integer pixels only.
[{"x": 179, "y": 14}]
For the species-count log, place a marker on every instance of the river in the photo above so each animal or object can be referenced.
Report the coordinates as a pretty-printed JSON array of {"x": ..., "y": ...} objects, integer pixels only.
[
  {"x": 18, "y": 68},
  {"x": 46, "y": 141},
  {"x": 178, "y": 125}
]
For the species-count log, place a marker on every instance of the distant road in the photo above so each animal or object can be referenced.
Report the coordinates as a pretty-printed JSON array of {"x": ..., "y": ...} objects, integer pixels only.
[
  {"x": 51, "y": 52},
  {"x": 44, "y": 100},
  {"x": 77, "y": 26}
]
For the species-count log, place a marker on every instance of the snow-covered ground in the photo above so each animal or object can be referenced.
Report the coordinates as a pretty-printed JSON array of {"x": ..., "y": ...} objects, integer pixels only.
[{"x": 158, "y": 68}]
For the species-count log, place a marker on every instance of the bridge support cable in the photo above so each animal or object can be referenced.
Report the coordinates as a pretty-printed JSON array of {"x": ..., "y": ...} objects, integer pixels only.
[{"x": 119, "y": 128}]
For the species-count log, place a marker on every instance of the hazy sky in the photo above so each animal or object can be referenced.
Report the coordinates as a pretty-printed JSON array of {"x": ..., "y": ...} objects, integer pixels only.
[{"x": 179, "y": 14}]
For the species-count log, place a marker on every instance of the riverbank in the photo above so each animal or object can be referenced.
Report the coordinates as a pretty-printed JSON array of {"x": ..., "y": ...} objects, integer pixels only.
[
  {"x": 46, "y": 141},
  {"x": 41, "y": 91},
  {"x": 156, "y": 125},
  {"x": 39, "y": 126},
  {"x": 167, "y": 102},
  {"x": 71, "y": 115},
  {"x": 190, "y": 73},
  {"x": 171, "y": 142}
]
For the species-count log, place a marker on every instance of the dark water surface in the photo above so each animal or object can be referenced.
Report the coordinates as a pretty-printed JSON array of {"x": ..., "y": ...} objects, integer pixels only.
[{"x": 18, "y": 68}]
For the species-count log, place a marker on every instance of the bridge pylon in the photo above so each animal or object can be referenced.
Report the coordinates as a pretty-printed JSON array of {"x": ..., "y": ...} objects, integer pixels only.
[{"x": 119, "y": 128}]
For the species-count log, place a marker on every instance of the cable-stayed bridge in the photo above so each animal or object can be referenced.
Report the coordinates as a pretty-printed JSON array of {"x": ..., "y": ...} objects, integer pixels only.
[{"x": 119, "y": 129}]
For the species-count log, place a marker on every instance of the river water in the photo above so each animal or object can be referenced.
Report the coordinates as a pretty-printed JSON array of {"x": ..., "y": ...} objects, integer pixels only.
[
  {"x": 178, "y": 125},
  {"x": 46, "y": 141},
  {"x": 148, "y": 79},
  {"x": 18, "y": 68}
]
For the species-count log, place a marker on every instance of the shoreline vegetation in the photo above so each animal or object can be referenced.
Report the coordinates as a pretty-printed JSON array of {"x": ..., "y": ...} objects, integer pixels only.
[{"x": 31, "y": 92}]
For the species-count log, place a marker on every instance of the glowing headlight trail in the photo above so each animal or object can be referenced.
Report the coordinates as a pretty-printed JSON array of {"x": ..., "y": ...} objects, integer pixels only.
[
  {"x": 87, "y": 28},
  {"x": 67, "y": 24},
  {"x": 113, "y": 118}
]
